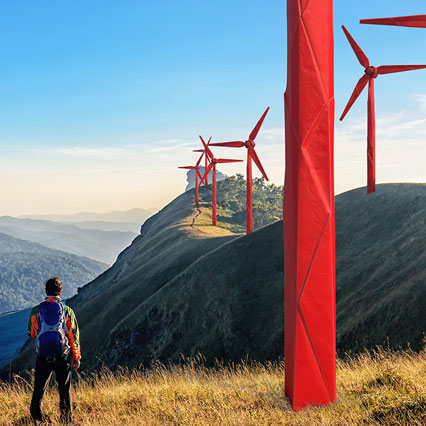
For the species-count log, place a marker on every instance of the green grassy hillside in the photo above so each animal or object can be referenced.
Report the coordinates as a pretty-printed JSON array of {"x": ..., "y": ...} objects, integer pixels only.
[
  {"x": 381, "y": 266},
  {"x": 184, "y": 287}
]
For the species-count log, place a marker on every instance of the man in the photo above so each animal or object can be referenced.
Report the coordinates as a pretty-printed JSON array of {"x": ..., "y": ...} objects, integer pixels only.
[{"x": 55, "y": 328}]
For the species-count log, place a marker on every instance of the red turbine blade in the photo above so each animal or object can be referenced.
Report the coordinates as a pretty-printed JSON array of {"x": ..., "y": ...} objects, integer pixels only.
[
  {"x": 206, "y": 173},
  {"x": 198, "y": 150},
  {"x": 207, "y": 149},
  {"x": 199, "y": 160},
  {"x": 199, "y": 175},
  {"x": 227, "y": 160},
  {"x": 233, "y": 144},
  {"x": 362, "y": 57},
  {"x": 357, "y": 91},
  {"x": 208, "y": 143},
  {"x": 418, "y": 21},
  {"x": 255, "y": 158},
  {"x": 388, "y": 69},
  {"x": 256, "y": 129},
  {"x": 186, "y": 167}
]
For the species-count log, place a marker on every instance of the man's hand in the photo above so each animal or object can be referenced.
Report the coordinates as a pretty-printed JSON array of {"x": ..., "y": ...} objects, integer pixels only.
[{"x": 75, "y": 364}]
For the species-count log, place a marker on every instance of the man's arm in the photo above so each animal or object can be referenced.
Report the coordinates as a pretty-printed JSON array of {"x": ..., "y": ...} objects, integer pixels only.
[
  {"x": 73, "y": 336},
  {"x": 32, "y": 328}
]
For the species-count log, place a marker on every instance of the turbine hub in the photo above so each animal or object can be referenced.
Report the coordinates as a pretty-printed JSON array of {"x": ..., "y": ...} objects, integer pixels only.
[
  {"x": 372, "y": 72},
  {"x": 249, "y": 144},
  {"x": 214, "y": 161}
]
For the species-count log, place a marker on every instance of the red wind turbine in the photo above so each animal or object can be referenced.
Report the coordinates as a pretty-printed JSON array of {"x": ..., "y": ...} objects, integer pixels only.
[
  {"x": 212, "y": 166},
  {"x": 197, "y": 175},
  {"x": 206, "y": 180},
  {"x": 251, "y": 155},
  {"x": 370, "y": 74},
  {"x": 416, "y": 21}
]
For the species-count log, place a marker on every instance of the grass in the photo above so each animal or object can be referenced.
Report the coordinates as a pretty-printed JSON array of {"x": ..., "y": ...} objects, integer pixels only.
[{"x": 380, "y": 388}]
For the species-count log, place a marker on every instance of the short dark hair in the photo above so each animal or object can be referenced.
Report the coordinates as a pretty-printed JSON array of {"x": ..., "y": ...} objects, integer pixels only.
[{"x": 53, "y": 286}]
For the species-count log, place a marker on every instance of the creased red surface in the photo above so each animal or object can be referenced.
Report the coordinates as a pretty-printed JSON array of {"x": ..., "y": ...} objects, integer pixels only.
[{"x": 310, "y": 349}]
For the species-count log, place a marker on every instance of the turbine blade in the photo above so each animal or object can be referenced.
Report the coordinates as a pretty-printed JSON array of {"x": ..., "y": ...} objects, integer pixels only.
[
  {"x": 362, "y": 82},
  {"x": 206, "y": 172},
  {"x": 199, "y": 175},
  {"x": 418, "y": 21},
  {"x": 186, "y": 167},
  {"x": 233, "y": 144},
  {"x": 198, "y": 150},
  {"x": 362, "y": 57},
  {"x": 207, "y": 149},
  {"x": 199, "y": 160},
  {"x": 227, "y": 160},
  {"x": 256, "y": 129},
  {"x": 388, "y": 69},
  {"x": 208, "y": 143},
  {"x": 256, "y": 160}
]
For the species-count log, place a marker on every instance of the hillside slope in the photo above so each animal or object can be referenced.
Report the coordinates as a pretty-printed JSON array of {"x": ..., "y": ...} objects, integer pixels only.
[
  {"x": 184, "y": 286},
  {"x": 229, "y": 304},
  {"x": 381, "y": 266},
  {"x": 25, "y": 266}
]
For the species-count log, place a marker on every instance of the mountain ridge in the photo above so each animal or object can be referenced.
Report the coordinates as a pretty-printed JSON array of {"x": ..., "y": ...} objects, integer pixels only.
[{"x": 181, "y": 289}]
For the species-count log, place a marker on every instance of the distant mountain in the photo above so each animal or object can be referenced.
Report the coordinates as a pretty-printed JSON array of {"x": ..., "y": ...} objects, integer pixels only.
[
  {"x": 103, "y": 246},
  {"x": 25, "y": 267},
  {"x": 132, "y": 227},
  {"x": 184, "y": 286},
  {"x": 135, "y": 215}
]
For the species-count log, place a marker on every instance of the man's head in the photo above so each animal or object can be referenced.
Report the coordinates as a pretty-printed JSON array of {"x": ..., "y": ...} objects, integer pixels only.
[{"x": 53, "y": 286}]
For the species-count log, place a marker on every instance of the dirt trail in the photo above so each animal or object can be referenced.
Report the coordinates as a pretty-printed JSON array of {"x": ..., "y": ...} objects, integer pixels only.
[{"x": 195, "y": 217}]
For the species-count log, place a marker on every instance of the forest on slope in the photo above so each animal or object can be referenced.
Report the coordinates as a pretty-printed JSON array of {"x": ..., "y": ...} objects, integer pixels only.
[{"x": 25, "y": 266}]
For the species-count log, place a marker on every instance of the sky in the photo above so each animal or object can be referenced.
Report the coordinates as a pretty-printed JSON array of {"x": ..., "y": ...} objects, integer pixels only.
[{"x": 101, "y": 101}]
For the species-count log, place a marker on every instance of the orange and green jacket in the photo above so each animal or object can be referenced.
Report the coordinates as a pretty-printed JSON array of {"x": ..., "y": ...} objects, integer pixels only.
[{"x": 73, "y": 333}]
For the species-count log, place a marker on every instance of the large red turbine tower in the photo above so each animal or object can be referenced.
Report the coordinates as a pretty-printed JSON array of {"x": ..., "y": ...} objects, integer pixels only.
[
  {"x": 370, "y": 74},
  {"x": 212, "y": 166},
  {"x": 310, "y": 357},
  {"x": 251, "y": 155}
]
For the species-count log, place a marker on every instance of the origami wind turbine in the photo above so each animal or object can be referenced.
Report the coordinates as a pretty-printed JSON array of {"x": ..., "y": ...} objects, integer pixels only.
[
  {"x": 415, "y": 21},
  {"x": 212, "y": 166},
  {"x": 197, "y": 175},
  {"x": 206, "y": 180},
  {"x": 251, "y": 155},
  {"x": 370, "y": 74}
]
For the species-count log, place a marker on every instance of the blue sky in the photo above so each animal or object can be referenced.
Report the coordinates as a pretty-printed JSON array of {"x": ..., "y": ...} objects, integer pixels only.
[{"x": 101, "y": 100}]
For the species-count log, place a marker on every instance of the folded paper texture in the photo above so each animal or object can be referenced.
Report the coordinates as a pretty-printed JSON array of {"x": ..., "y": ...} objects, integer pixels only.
[{"x": 310, "y": 348}]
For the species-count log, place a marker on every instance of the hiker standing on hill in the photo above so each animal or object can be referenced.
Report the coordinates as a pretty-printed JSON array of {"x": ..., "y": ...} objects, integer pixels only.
[{"x": 55, "y": 328}]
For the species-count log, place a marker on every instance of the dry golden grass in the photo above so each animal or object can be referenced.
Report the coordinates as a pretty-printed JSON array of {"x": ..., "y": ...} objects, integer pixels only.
[{"x": 383, "y": 388}]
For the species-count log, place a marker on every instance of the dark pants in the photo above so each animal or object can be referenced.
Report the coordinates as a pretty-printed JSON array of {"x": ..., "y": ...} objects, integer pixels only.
[{"x": 42, "y": 375}]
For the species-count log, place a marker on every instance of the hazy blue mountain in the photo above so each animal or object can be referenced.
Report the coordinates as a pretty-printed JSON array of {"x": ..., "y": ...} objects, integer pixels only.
[
  {"x": 133, "y": 227},
  {"x": 103, "y": 246},
  {"x": 13, "y": 334},
  {"x": 135, "y": 215},
  {"x": 25, "y": 266}
]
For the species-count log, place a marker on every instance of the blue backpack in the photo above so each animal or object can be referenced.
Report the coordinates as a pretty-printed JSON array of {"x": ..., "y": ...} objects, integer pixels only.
[{"x": 52, "y": 341}]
